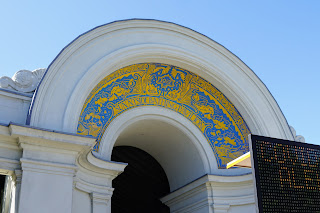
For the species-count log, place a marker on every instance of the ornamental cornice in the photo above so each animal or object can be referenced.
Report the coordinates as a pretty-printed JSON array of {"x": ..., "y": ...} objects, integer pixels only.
[
  {"x": 298, "y": 138},
  {"x": 25, "y": 81},
  {"x": 89, "y": 165},
  {"x": 92, "y": 188},
  {"x": 239, "y": 184},
  {"x": 38, "y": 138},
  {"x": 64, "y": 169}
]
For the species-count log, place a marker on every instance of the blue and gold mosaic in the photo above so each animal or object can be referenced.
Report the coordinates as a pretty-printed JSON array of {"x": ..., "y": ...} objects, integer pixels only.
[{"x": 162, "y": 85}]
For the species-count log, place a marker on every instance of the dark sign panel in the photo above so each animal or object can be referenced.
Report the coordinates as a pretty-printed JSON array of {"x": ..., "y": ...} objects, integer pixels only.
[{"x": 287, "y": 175}]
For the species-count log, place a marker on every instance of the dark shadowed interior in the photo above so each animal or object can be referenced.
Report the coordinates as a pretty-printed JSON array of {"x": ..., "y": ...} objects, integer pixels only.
[{"x": 142, "y": 183}]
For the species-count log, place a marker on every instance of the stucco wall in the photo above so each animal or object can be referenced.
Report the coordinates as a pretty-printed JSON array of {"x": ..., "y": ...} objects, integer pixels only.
[{"x": 14, "y": 106}]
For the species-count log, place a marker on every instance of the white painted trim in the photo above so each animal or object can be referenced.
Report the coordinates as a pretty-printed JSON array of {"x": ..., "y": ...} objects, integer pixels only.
[
  {"x": 8, "y": 166},
  {"x": 211, "y": 193},
  {"x": 120, "y": 123},
  {"x": 191, "y": 51},
  {"x": 90, "y": 165},
  {"x": 48, "y": 167},
  {"x": 131, "y": 116},
  {"x": 40, "y": 138},
  {"x": 15, "y": 95}
]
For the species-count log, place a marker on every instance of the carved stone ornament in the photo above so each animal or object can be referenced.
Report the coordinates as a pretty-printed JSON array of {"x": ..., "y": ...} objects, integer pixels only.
[
  {"x": 23, "y": 80},
  {"x": 298, "y": 138}
]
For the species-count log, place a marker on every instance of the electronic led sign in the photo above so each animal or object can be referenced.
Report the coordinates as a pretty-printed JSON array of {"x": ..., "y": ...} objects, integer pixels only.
[{"x": 287, "y": 175}]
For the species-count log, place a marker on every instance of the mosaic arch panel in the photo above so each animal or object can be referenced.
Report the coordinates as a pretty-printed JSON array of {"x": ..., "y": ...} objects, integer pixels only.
[{"x": 174, "y": 88}]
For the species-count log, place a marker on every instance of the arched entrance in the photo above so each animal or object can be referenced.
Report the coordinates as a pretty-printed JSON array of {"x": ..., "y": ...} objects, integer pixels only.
[
  {"x": 161, "y": 109},
  {"x": 113, "y": 78},
  {"x": 171, "y": 147},
  {"x": 141, "y": 185},
  {"x": 173, "y": 88}
]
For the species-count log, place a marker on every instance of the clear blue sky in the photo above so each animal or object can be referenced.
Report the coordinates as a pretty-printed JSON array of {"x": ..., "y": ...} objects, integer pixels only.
[{"x": 278, "y": 40}]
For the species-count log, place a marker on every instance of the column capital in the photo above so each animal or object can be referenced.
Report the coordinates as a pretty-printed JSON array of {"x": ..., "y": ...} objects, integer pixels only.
[
  {"x": 50, "y": 146},
  {"x": 48, "y": 167},
  {"x": 98, "y": 198},
  {"x": 29, "y": 137}
]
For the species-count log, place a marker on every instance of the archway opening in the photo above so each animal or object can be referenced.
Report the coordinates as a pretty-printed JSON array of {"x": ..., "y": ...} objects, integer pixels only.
[
  {"x": 175, "y": 151},
  {"x": 141, "y": 185}
]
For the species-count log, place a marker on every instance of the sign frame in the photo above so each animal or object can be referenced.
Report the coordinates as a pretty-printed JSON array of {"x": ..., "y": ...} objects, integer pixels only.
[{"x": 254, "y": 161}]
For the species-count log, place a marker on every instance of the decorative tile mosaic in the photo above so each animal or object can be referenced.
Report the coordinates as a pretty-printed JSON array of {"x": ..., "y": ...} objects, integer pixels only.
[{"x": 174, "y": 88}]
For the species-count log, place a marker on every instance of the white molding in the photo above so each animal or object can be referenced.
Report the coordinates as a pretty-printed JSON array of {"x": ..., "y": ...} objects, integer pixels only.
[
  {"x": 8, "y": 166},
  {"x": 100, "y": 198},
  {"x": 10, "y": 152},
  {"x": 7, "y": 141},
  {"x": 48, "y": 167},
  {"x": 45, "y": 139},
  {"x": 50, "y": 157},
  {"x": 90, "y": 188},
  {"x": 15, "y": 95},
  {"x": 95, "y": 178},
  {"x": 214, "y": 181},
  {"x": 120, "y": 123},
  {"x": 96, "y": 167},
  {"x": 101, "y": 51},
  {"x": 236, "y": 200},
  {"x": 212, "y": 191},
  {"x": 94, "y": 55},
  {"x": 196, "y": 142},
  {"x": 99, "y": 202}
]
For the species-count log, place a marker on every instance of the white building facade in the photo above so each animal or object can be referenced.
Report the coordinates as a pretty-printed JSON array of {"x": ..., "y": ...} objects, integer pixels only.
[{"x": 172, "y": 93}]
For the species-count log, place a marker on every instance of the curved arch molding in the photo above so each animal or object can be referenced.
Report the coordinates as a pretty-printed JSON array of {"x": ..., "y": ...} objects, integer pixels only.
[{"x": 162, "y": 85}]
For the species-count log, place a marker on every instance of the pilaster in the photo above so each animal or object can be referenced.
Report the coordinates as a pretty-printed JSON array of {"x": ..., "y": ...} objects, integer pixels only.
[
  {"x": 48, "y": 167},
  {"x": 100, "y": 202},
  {"x": 95, "y": 178}
]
